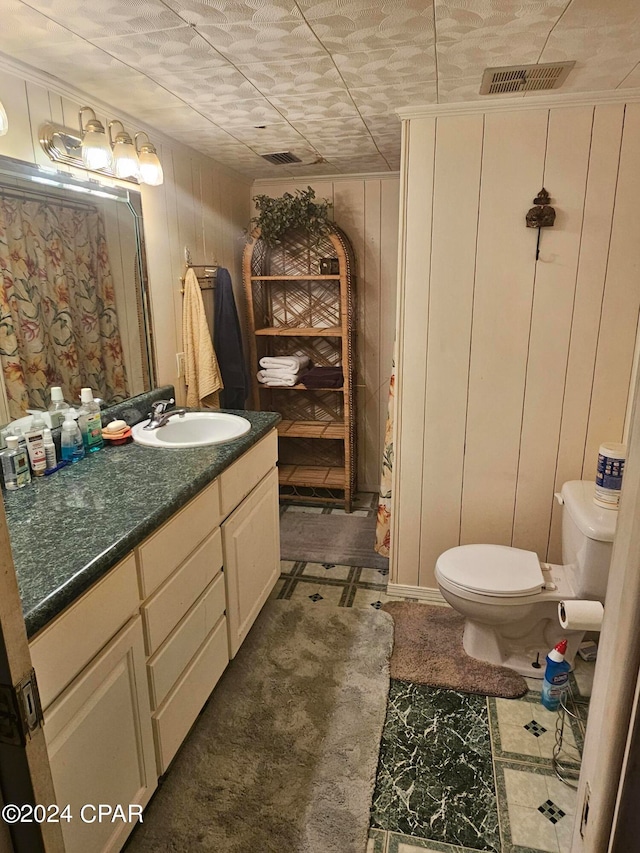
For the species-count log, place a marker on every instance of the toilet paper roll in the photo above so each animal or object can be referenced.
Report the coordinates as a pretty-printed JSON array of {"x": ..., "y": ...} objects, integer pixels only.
[{"x": 580, "y": 615}]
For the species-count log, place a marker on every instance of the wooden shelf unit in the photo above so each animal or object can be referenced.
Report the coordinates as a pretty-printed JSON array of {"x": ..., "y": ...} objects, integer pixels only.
[{"x": 291, "y": 308}]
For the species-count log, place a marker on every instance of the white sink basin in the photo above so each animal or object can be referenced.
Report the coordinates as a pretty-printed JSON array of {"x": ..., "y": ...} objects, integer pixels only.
[{"x": 193, "y": 429}]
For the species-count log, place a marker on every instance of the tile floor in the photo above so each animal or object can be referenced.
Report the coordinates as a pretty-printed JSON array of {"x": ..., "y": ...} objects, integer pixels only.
[{"x": 457, "y": 773}]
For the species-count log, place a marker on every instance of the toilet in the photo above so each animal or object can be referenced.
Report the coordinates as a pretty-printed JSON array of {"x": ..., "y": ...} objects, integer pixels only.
[{"x": 510, "y": 599}]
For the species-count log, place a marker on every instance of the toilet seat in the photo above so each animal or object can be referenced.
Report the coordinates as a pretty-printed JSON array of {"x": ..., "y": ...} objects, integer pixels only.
[{"x": 492, "y": 570}]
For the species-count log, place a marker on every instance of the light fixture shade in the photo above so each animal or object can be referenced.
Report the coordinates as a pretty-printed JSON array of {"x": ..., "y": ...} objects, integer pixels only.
[
  {"x": 125, "y": 159},
  {"x": 96, "y": 151},
  {"x": 4, "y": 121},
  {"x": 150, "y": 167}
]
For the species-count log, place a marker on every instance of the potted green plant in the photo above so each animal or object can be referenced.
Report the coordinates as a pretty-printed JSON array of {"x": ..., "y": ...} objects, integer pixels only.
[{"x": 291, "y": 212}]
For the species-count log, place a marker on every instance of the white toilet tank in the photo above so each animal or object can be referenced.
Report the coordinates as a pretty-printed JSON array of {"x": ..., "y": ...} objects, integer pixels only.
[{"x": 587, "y": 538}]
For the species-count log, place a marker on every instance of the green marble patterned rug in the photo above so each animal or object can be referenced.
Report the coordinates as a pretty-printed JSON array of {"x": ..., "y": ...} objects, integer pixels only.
[{"x": 435, "y": 774}]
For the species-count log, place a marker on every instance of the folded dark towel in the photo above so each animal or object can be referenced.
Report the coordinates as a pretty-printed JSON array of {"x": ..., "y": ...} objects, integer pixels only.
[{"x": 323, "y": 377}]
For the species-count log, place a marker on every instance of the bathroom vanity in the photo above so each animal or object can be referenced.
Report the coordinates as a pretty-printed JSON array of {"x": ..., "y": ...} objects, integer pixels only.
[{"x": 128, "y": 648}]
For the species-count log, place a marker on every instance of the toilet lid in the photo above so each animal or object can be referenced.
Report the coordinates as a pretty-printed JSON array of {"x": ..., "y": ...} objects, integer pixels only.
[{"x": 492, "y": 569}]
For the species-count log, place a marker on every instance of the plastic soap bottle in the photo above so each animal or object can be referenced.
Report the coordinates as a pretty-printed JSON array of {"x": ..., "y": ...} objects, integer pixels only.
[
  {"x": 15, "y": 465},
  {"x": 556, "y": 676},
  {"x": 57, "y": 407},
  {"x": 71, "y": 439},
  {"x": 90, "y": 422}
]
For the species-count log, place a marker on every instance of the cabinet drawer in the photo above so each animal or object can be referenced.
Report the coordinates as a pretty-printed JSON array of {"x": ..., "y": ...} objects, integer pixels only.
[
  {"x": 166, "y": 607},
  {"x": 62, "y": 648},
  {"x": 167, "y": 664},
  {"x": 178, "y": 712},
  {"x": 165, "y": 549},
  {"x": 238, "y": 480}
]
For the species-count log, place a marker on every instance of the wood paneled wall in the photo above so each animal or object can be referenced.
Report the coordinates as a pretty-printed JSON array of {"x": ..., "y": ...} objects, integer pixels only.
[
  {"x": 200, "y": 205},
  {"x": 366, "y": 208},
  {"x": 512, "y": 371}
]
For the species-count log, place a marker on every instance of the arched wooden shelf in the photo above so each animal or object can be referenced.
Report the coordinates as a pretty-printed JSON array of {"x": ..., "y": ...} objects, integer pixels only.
[{"x": 294, "y": 307}]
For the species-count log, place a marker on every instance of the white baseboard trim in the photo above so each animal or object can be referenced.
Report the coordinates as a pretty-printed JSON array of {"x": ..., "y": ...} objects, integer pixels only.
[{"x": 422, "y": 593}]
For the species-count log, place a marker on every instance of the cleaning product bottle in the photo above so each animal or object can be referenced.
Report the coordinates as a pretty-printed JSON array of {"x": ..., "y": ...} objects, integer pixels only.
[
  {"x": 90, "y": 422},
  {"x": 15, "y": 465},
  {"x": 71, "y": 440},
  {"x": 556, "y": 676},
  {"x": 57, "y": 407}
]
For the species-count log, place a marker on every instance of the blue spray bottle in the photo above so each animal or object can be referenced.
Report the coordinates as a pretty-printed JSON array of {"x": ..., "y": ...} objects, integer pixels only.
[{"x": 556, "y": 676}]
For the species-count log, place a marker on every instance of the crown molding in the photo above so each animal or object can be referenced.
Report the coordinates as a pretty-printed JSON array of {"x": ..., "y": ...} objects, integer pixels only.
[
  {"x": 525, "y": 102},
  {"x": 54, "y": 84},
  {"x": 337, "y": 178}
]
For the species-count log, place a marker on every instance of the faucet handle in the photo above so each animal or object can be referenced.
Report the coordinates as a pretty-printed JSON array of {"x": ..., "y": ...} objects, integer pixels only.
[{"x": 160, "y": 407}]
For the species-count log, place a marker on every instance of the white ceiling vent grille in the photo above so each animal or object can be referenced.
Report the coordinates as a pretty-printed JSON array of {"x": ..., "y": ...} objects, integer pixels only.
[
  {"x": 524, "y": 78},
  {"x": 282, "y": 158}
]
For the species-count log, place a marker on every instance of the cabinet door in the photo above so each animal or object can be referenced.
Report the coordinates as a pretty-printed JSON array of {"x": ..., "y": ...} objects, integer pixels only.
[
  {"x": 251, "y": 551},
  {"x": 100, "y": 743}
]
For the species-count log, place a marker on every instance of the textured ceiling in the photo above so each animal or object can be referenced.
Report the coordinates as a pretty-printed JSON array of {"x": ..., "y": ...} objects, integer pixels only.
[{"x": 322, "y": 78}]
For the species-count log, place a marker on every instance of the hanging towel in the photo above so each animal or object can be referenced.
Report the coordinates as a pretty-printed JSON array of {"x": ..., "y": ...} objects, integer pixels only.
[
  {"x": 294, "y": 363},
  {"x": 227, "y": 342},
  {"x": 202, "y": 374}
]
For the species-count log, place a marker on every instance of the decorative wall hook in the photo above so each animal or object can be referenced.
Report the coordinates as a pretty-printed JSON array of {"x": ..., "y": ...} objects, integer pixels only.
[{"x": 541, "y": 216}]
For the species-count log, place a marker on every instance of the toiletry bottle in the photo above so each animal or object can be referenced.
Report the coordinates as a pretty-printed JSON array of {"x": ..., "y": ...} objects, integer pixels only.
[
  {"x": 90, "y": 422},
  {"x": 35, "y": 444},
  {"x": 57, "y": 407},
  {"x": 49, "y": 450},
  {"x": 71, "y": 441},
  {"x": 15, "y": 465},
  {"x": 556, "y": 676}
]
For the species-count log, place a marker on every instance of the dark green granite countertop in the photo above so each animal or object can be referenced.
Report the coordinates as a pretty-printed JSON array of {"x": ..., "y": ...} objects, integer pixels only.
[{"x": 69, "y": 528}]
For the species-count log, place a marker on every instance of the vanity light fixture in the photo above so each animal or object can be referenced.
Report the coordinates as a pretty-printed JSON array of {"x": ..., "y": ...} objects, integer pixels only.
[
  {"x": 90, "y": 148},
  {"x": 4, "y": 121},
  {"x": 125, "y": 158},
  {"x": 150, "y": 166},
  {"x": 96, "y": 151}
]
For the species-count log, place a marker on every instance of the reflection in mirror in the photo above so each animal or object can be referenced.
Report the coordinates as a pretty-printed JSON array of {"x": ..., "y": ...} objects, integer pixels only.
[{"x": 74, "y": 302}]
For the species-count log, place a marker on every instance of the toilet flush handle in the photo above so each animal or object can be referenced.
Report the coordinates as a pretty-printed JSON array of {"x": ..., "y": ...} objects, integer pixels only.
[{"x": 559, "y": 498}]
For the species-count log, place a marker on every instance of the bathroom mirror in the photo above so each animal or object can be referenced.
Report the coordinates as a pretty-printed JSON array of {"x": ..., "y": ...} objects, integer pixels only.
[{"x": 74, "y": 307}]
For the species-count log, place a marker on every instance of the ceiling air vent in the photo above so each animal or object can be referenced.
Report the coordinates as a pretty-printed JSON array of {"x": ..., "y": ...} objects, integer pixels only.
[
  {"x": 282, "y": 158},
  {"x": 524, "y": 78}
]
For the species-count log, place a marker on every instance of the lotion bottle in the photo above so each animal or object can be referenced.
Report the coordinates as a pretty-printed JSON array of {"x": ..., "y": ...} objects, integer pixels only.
[
  {"x": 90, "y": 422},
  {"x": 35, "y": 445}
]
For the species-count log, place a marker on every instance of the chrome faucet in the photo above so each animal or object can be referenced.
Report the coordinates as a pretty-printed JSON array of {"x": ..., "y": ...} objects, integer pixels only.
[{"x": 159, "y": 414}]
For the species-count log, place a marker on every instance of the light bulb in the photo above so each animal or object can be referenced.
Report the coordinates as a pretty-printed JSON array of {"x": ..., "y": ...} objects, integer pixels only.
[
  {"x": 150, "y": 167},
  {"x": 125, "y": 159},
  {"x": 96, "y": 151},
  {"x": 4, "y": 121}
]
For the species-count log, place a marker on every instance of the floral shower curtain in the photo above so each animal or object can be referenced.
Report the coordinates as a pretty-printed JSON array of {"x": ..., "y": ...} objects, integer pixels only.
[
  {"x": 383, "y": 521},
  {"x": 58, "y": 322}
]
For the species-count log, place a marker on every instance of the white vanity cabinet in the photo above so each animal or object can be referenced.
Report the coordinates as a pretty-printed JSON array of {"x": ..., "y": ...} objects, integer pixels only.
[
  {"x": 90, "y": 665},
  {"x": 125, "y": 670}
]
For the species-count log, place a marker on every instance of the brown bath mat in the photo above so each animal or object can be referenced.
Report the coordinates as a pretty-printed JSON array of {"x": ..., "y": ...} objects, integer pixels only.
[{"x": 428, "y": 650}]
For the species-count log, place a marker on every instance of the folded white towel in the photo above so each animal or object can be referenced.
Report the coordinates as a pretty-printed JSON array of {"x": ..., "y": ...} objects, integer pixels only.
[
  {"x": 286, "y": 380},
  {"x": 295, "y": 363},
  {"x": 273, "y": 373}
]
